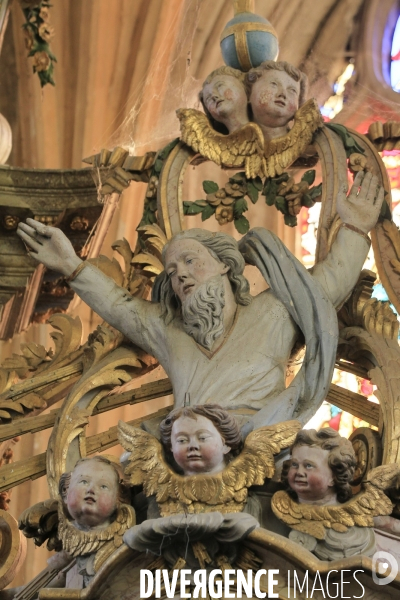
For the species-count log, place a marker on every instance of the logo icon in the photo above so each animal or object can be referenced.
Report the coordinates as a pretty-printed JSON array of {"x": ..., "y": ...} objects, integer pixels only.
[{"x": 384, "y": 568}]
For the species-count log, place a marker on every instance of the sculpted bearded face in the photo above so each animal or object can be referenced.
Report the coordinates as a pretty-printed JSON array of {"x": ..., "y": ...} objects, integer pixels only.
[
  {"x": 274, "y": 98},
  {"x": 188, "y": 265},
  {"x": 226, "y": 101},
  {"x": 92, "y": 494}
]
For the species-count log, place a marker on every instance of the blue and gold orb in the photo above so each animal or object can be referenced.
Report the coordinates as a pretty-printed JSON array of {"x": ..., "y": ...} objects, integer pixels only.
[{"x": 247, "y": 41}]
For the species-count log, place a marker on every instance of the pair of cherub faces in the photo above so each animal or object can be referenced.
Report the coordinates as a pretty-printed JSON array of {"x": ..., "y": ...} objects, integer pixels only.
[
  {"x": 273, "y": 90},
  {"x": 197, "y": 446}
]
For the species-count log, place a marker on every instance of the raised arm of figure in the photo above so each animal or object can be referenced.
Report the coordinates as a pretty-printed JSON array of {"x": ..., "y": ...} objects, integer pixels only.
[
  {"x": 338, "y": 273},
  {"x": 138, "y": 319}
]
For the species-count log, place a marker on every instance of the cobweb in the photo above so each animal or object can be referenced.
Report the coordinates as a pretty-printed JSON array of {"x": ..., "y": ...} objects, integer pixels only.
[{"x": 170, "y": 88}]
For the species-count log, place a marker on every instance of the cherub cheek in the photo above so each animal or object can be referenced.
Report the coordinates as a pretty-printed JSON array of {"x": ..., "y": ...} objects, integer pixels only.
[
  {"x": 228, "y": 94},
  {"x": 265, "y": 98},
  {"x": 106, "y": 505}
]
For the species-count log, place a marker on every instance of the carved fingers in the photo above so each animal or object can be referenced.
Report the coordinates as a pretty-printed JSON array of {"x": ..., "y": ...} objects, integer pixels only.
[
  {"x": 49, "y": 246},
  {"x": 362, "y": 206}
]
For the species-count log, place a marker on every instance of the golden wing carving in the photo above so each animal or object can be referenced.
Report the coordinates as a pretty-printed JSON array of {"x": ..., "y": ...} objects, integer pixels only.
[
  {"x": 243, "y": 148},
  {"x": 102, "y": 541},
  {"x": 256, "y": 461},
  {"x": 281, "y": 152},
  {"x": 360, "y": 510},
  {"x": 147, "y": 465},
  {"x": 224, "y": 492},
  {"x": 246, "y": 147}
]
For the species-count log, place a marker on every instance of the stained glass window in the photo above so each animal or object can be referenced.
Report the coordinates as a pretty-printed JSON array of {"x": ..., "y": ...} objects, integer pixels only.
[{"x": 395, "y": 64}]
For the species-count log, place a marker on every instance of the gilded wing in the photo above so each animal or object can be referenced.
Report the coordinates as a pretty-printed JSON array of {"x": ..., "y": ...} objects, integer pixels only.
[
  {"x": 102, "y": 541},
  {"x": 256, "y": 461},
  {"x": 315, "y": 519},
  {"x": 281, "y": 152},
  {"x": 384, "y": 477},
  {"x": 146, "y": 465},
  {"x": 40, "y": 522},
  {"x": 243, "y": 148}
]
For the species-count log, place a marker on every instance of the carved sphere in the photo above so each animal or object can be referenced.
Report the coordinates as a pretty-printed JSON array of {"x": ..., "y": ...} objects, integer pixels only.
[
  {"x": 5, "y": 139},
  {"x": 247, "y": 41}
]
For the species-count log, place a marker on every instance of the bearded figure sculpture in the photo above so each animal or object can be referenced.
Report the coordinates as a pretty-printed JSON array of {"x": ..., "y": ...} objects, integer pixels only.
[{"x": 215, "y": 341}]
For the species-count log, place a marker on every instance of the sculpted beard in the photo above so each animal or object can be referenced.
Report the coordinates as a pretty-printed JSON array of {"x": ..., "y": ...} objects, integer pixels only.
[{"x": 203, "y": 312}]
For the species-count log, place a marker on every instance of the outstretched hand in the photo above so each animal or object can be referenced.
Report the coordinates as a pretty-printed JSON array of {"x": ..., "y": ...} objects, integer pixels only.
[
  {"x": 49, "y": 246},
  {"x": 362, "y": 206}
]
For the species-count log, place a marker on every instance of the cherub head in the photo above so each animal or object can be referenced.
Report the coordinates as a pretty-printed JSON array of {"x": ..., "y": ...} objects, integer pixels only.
[
  {"x": 91, "y": 492},
  {"x": 321, "y": 467},
  {"x": 275, "y": 90},
  {"x": 200, "y": 438},
  {"x": 224, "y": 98}
]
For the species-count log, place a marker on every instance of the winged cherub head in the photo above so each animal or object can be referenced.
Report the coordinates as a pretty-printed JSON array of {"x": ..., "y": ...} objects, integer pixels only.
[
  {"x": 224, "y": 99},
  {"x": 275, "y": 90},
  {"x": 203, "y": 274},
  {"x": 200, "y": 438},
  {"x": 321, "y": 467},
  {"x": 91, "y": 492}
]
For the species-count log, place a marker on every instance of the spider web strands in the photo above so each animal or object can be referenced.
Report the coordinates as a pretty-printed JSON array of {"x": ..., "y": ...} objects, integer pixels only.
[
  {"x": 16, "y": 473},
  {"x": 148, "y": 391}
]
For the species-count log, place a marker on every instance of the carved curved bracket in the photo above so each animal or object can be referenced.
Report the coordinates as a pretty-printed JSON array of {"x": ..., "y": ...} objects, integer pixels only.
[
  {"x": 110, "y": 368},
  {"x": 12, "y": 548},
  {"x": 381, "y": 357}
]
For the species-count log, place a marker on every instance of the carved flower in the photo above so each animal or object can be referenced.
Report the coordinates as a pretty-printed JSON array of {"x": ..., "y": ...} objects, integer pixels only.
[
  {"x": 10, "y": 222},
  {"x": 357, "y": 162},
  {"x": 79, "y": 224},
  {"x": 224, "y": 214},
  {"x": 29, "y": 38},
  {"x": 41, "y": 61},
  {"x": 44, "y": 13},
  {"x": 46, "y": 32},
  {"x": 152, "y": 187},
  {"x": 236, "y": 189},
  {"x": 216, "y": 198},
  {"x": 286, "y": 186},
  {"x": 294, "y": 206},
  {"x": 46, "y": 219},
  {"x": 298, "y": 190}
]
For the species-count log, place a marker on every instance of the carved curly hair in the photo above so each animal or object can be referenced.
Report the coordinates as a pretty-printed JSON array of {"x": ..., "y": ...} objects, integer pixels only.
[
  {"x": 341, "y": 459},
  {"x": 221, "y": 419},
  {"x": 65, "y": 479}
]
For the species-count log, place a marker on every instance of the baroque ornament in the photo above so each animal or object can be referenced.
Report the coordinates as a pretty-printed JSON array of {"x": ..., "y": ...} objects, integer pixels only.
[
  {"x": 88, "y": 377},
  {"x": 224, "y": 492},
  {"x": 315, "y": 519},
  {"x": 246, "y": 147}
]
